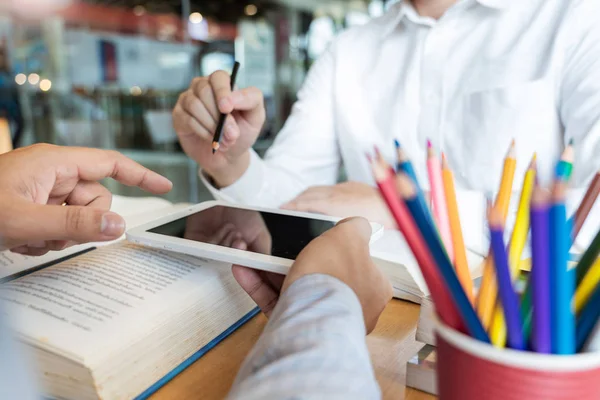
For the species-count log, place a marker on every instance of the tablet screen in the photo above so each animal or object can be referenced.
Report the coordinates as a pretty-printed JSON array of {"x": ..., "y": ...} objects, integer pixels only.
[{"x": 256, "y": 231}]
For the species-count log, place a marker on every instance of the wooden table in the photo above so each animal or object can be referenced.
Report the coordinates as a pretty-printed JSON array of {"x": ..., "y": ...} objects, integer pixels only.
[{"x": 391, "y": 345}]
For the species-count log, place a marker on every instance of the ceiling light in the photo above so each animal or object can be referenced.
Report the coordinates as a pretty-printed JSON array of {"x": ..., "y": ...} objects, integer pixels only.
[
  {"x": 20, "y": 79},
  {"x": 135, "y": 91},
  {"x": 250, "y": 10},
  {"x": 34, "y": 79},
  {"x": 196, "y": 18},
  {"x": 139, "y": 10},
  {"x": 45, "y": 85}
]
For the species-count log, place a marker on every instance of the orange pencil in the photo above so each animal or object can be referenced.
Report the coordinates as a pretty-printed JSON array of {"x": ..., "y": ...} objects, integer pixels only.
[
  {"x": 486, "y": 300},
  {"x": 460, "y": 254}
]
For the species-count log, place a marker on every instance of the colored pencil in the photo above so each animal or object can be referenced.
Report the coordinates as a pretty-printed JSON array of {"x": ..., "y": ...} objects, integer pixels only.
[
  {"x": 404, "y": 164},
  {"x": 588, "y": 258},
  {"x": 408, "y": 192},
  {"x": 587, "y": 286},
  {"x": 216, "y": 143},
  {"x": 562, "y": 280},
  {"x": 527, "y": 307},
  {"x": 517, "y": 244},
  {"x": 438, "y": 197},
  {"x": 564, "y": 168},
  {"x": 540, "y": 272},
  {"x": 508, "y": 297},
  {"x": 460, "y": 253},
  {"x": 488, "y": 291},
  {"x": 592, "y": 343},
  {"x": 586, "y": 205},
  {"x": 444, "y": 304},
  {"x": 588, "y": 318}
]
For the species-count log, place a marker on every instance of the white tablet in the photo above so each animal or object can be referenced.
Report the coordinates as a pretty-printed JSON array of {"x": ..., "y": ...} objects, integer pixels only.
[{"x": 260, "y": 238}]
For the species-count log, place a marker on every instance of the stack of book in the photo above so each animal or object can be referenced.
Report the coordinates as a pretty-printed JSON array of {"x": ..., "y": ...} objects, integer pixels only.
[{"x": 421, "y": 368}]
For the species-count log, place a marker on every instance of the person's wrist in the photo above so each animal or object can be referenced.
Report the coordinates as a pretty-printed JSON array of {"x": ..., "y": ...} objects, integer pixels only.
[{"x": 231, "y": 172}]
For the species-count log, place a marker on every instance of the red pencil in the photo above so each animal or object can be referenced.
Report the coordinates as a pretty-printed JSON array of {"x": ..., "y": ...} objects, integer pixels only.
[{"x": 444, "y": 304}]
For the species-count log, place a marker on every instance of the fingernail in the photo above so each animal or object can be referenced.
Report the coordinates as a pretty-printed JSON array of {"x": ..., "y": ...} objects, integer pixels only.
[
  {"x": 225, "y": 103},
  {"x": 112, "y": 225},
  {"x": 231, "y": 131}
]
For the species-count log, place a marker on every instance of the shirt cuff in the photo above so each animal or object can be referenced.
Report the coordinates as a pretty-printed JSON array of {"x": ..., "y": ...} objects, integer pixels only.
[{"x": 247, "y": 189}]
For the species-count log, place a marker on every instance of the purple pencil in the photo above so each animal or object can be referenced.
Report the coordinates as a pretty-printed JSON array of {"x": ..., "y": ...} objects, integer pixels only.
[
  {"x": 508, "y": 296},
  {"x": 540, "y": 271}
]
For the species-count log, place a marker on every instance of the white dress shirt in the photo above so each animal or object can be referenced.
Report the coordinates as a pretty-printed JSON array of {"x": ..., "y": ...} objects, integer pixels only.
[{"x": 486, "y": 72}]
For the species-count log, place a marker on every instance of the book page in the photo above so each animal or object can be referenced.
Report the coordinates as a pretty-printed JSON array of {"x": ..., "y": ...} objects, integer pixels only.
[
  {"x": 12, "y": 264},
  {"x": 106, "y": 296}
]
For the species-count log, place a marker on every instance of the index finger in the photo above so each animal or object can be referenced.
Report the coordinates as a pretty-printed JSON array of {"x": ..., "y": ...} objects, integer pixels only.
[{"x": 97, "y": 164}]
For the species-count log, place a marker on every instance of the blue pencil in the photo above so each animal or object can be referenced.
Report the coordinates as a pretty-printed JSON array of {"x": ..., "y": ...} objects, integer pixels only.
[
  {"x": 588, "y": 318},
  {"x": 562, "y": 280},
  {"x": 508, "y": 296},
  {"x": 408, "y": 191},
  {"x": 405, "y": 165}
]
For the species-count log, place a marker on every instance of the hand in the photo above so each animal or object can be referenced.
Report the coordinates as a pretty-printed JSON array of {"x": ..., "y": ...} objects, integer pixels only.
[
  {"x": 341, "y": 252},
  {"x": 230, "y": 227},
  {"x": 195, "y": 119},
  {"x": 38, "y": 179},
  {"x": 348, "y": 199}
]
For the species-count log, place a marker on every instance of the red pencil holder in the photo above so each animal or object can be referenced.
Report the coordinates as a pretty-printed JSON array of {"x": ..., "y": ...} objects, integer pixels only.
[{"x": 468, "y": 369}]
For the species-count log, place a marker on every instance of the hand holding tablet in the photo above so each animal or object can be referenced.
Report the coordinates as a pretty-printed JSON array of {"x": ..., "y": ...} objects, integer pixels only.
[{"x": 268, "y": 240}]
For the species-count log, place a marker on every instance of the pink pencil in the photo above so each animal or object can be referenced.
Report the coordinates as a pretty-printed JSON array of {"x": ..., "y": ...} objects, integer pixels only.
[{"x": 440, "y": 209}]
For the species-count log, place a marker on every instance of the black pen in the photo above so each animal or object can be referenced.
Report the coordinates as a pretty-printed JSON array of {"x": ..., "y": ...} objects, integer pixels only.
[{"x": 217, "y": 137}]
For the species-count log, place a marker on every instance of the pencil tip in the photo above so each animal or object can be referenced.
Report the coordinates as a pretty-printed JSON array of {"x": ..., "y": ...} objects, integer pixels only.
[
  {"x": 511, "y": 150},
  {"x": 397, "y": 143},
  {"x": 369, "y": 157},
  {"x": 429, "y": 145},
  {"x": 533, "y": 163},
  {"x": 214, "y": 151},
  {"x": 495, "y": 217},
  {"x": 571, "y": 142}
]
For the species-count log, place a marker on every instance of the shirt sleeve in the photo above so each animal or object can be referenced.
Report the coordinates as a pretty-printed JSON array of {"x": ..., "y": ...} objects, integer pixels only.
[
  {"x": 313, "y": 347},
  {"x": 305, "y": 152}
]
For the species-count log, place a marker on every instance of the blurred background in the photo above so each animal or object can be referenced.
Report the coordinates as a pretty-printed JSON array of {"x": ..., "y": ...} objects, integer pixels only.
[{"x": 107, "y": 73}]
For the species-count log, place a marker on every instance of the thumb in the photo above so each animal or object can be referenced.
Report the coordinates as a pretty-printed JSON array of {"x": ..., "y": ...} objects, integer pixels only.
[
  {"x": 356, "y": 225},
  {"x": 75, "y": 223}
]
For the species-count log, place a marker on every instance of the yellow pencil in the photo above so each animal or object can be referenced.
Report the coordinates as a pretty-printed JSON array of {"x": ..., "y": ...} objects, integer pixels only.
[
  {"x": 460, "y": 254},
  {"x": 587, "y": 286},
  {"x": 489, "y": 288},
  {"x": 517, "y": 244}
]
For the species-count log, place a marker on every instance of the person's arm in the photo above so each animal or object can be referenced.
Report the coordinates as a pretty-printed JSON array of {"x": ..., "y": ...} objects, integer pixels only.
[
  {"x": 580, "y": 102},
  {"x": 305, "y": 152},
  {"x": 313, "y": 347}
]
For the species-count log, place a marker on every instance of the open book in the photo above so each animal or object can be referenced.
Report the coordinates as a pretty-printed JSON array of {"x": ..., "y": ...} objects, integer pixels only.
[{"x": 118, "y": 321}]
